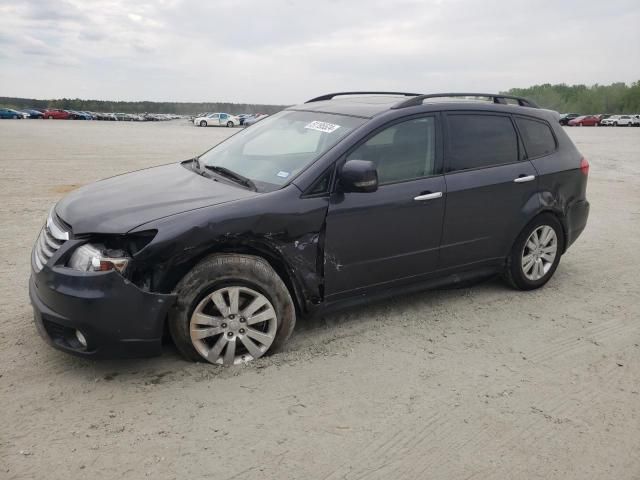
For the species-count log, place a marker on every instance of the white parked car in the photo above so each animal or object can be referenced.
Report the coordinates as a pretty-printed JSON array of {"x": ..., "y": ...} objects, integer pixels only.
[
  {"x": 217, "y": 120},
  {"x": 618, "y": 120}
]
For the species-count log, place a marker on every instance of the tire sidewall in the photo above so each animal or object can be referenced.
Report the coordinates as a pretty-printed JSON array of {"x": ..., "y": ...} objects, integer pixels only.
[
  {"x": 223, "y": 270},
  {"x": 514, "y": 264}
]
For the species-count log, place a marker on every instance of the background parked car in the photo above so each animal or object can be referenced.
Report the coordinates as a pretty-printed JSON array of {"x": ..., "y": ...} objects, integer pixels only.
[
  {"x": 32, "y": 113},
  {"x": 635, "y": 120},
  {"x": 608, "y": 121},
  {"x": 56, "y": 113},
  {"x": 75, "y": 115},
  {"x": 243, "y": 117},
  {"x": 565, "y": 117},
  {"x": 217, "y": 120},
  {"x": 585, "y": 121},
  {"x": 253, "y": 119},
  {"x": 618, "y": 121},
  {"x": 10, "y": 113}
]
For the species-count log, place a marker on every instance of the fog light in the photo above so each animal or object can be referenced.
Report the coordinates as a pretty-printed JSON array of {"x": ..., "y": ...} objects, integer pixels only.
[{"x": 81, "y": 339}]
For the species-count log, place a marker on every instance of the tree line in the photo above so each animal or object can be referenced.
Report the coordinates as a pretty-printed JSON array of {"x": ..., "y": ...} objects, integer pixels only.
[
  {"x": 180, "y": 108},
  {"x": 613, "y": 99}
]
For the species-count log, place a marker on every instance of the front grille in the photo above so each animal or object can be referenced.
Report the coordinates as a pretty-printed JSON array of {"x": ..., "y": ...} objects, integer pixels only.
[{"x": 51, "y": 238}]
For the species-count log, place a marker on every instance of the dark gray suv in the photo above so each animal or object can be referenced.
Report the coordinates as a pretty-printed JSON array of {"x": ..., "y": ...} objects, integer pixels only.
[{"x": 344, "y": 199}]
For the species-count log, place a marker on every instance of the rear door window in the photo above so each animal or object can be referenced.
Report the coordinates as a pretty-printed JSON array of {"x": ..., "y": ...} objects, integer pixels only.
[
  {"x": 480, "y": 140},
  {"x": 537, "y": 137}
]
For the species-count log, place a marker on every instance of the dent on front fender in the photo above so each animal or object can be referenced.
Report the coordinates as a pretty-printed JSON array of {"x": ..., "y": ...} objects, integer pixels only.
[
  {"x": 281, "y": 227},
  {"x": 296, "y": 258}
]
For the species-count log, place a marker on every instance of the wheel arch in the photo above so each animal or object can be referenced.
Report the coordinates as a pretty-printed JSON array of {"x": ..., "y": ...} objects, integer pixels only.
[
  {"x": 274, "y": 257},
  {"x": 559, "y": 215}
]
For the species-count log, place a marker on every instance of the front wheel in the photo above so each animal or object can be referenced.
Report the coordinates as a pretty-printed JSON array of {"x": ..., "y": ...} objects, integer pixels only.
[
  {"x": 229, "y": 124},
  {"x": 231, "y": 309},
  {"x": 536, "y": 253},
  {"x": 203, "y": 123}
]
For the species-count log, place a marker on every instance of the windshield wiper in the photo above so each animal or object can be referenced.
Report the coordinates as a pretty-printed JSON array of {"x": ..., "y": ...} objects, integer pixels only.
[{"x": 236, "y": 177}]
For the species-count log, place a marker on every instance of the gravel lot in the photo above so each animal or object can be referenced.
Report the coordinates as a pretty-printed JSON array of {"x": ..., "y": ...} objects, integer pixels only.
[{"x": 475, "y": 383}]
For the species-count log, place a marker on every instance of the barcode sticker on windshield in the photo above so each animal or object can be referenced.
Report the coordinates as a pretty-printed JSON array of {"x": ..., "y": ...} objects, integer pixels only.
[{"x": 323, "y": 126}]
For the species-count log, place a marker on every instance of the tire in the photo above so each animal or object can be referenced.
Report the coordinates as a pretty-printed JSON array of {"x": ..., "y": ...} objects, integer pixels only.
[
  {"x": 15, "y": 117},
  {"x": 253, "y": 279},
  {"x": 203, "y": 123},
  {"x": 529, "y": 279},
  {"x": 615, "y": 124},
  {"x": 229, "y": 124},
  {"x": 50, "y": 117}
]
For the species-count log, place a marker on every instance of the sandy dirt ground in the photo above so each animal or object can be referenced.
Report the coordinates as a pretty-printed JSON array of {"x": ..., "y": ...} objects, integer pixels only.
[{"x": 475, "y": 383}]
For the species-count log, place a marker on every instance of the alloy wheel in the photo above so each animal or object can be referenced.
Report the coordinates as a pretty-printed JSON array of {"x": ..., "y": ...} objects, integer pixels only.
[
  {"x": 539, "y": 252},
  {"x": 233, "y": 325}
]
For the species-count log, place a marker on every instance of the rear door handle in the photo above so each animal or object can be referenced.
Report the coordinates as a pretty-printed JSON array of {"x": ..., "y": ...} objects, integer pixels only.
[
  {"x": 527, "y": 178},
  {"x": 428, "y": 196}
]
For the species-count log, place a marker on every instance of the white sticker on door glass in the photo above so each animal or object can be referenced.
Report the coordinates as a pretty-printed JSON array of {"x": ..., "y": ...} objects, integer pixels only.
[{"x": 322, "y": 126}]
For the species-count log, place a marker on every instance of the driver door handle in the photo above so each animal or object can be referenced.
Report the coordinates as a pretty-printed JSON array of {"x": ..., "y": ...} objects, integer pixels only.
[
  {"x": 428, "y": 196},
  {"x": 527, "y": 178}
]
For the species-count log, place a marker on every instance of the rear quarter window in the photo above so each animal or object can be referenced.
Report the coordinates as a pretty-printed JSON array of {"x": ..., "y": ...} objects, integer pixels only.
[{"x": 537, "y": 137}]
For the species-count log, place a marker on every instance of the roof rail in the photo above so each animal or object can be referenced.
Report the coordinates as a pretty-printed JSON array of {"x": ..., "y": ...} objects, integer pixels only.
[
  {"x": 495, "y": 97},
  {"x": 329, "y": 96}
]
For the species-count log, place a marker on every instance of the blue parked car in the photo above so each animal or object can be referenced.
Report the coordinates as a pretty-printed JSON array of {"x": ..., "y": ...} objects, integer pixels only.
[
  {"x": 74, "y": 115},
  {"x": 10, "y": 113}
]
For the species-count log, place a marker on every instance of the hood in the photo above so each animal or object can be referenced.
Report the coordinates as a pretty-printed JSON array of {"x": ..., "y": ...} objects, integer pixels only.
[{"x": 120, "y": 204}]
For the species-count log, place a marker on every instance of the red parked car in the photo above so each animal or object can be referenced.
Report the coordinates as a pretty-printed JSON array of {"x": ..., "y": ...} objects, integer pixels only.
[
  {"x": 57, "y": 114},
  {"x": 585, "y": 121}
]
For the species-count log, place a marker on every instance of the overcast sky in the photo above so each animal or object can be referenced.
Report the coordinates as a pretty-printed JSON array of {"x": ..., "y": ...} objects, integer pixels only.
[{"x": 286, "y": 51}]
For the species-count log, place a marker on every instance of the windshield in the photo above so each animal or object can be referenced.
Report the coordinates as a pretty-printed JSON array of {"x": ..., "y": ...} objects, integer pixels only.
[{"x": 275, "y": 149}]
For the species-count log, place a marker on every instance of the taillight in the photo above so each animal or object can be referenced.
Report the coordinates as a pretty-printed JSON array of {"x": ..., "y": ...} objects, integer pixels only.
[{"x": 584, "y": 166}]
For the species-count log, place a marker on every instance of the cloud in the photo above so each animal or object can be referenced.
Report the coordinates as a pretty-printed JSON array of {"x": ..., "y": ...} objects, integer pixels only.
[{"x": 284, "y": 51}]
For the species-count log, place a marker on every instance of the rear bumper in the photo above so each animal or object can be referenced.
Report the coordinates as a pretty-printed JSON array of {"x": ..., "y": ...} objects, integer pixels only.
[
  {"x": 116, "y": 317},
  {"x": 577, "y": 216}
]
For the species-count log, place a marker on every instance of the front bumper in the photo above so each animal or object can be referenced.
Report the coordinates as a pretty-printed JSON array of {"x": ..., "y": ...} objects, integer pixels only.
[{"x": 116, "y": 318}]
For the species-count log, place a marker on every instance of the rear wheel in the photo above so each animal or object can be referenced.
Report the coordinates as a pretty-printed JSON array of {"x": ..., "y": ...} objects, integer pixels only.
[
  {"x": 231, "y": 309},
  {"x": 536, "y": 253}
]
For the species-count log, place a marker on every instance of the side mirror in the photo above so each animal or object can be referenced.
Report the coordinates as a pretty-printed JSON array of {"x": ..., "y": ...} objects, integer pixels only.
[{"x": 359, "y": 176}]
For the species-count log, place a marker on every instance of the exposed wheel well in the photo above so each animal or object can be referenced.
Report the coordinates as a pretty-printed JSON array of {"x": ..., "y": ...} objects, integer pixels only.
[{"x": 275, "y": 261}]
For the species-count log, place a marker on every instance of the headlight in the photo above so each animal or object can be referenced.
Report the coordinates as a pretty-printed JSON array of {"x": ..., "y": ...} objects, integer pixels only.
[{"x": 96, "y": 258}]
